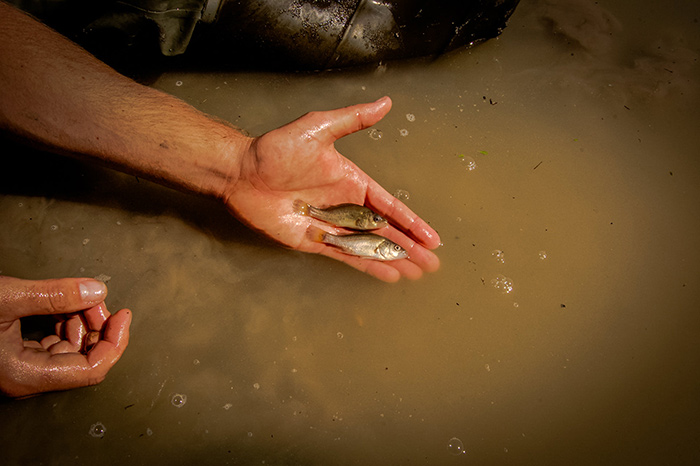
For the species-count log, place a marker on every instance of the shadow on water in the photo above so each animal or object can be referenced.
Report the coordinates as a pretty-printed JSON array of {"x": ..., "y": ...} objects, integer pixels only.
[{"x": 36, "y": 173}]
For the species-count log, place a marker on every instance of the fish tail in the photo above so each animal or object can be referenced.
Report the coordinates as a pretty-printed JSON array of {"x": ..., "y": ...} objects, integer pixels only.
[
  {"x": 316, "y": 234},
  {"x": 301, "y": 207}
]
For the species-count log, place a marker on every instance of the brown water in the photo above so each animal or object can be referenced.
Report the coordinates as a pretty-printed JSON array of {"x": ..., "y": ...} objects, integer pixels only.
[{"x": 562, "y": 327}]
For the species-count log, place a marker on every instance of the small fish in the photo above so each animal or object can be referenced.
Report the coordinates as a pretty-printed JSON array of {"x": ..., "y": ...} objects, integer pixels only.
[
  {"x": 352, "y": 216},
  {"x": 361, "y": 244}
]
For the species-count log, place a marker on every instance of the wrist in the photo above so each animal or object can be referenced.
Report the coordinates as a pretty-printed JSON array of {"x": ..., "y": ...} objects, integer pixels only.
[{"x": 226, "y": 171}]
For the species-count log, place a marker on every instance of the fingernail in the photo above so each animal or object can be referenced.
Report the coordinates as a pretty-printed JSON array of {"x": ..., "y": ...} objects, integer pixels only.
[{"x": 93, "y": 291}]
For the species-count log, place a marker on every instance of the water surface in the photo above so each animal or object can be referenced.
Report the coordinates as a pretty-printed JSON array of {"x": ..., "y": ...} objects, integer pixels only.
[{"x": 560, "y": 165}]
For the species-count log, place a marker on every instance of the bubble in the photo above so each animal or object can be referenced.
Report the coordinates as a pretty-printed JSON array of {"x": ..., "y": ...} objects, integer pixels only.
[
  {"x": 402, "y": 195},
  {"x": 375, "y": 134},
  {"x": 471, "y": 163},
  {"x": 178, "y": 83},
  {"x": 97, "y": 430},
  {"x": 102, "y": 277},
  {"x": 455, "y": 447},
  {"x": 250, "y": 434},
  {"x": 502, "y": 283},
  {"x": 499, "y": 255},
  {"x": 227, "y": 406},
  {"x": 542, "y": 255},
  {"x": 256, "y": 386},
  {"x": 86, "y": 241},
  {"x": 178, "y": 400},
  {"x": 410, "y": 117},
  {"x": 196, "y": 362},
  {"x": 403, "y": 132},
  {"x": 339, "y": 335},
  {"x": 54, "y": 227},
  {"x": 149, "y": 432}
]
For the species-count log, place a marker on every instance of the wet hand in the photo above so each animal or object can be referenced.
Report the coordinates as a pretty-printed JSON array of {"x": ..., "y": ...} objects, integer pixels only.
[
  {"x": 88, "y": 340},
  {"x": 299, "y": 161}
]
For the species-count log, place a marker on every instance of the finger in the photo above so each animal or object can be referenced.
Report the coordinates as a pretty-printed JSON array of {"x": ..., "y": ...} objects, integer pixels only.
[
  {"x": 401, "y": 216},
  {"x": 408, "y": 269},
  {"x": 20, "y": 298},
  {"x": 381, "y": 270},
  {"x": 62, "y": 346},
  {"x": 49, "y": 341},
  {"x": 96, "y": 316},
  {"x": 74, "y": 330},
  {"x": 115, "y": 338},
  {"x": 425, "y": 259},
  {"x": 347, "y": 120}
]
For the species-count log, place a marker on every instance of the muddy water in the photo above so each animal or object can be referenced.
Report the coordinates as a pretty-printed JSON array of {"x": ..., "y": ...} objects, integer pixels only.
[{"x": 560, "y": 165}]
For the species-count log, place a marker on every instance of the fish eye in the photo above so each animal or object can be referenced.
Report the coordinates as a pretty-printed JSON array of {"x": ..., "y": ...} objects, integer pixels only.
[
  {"x": 397, "y": 247},
  {"x": 378, "y": 218}
]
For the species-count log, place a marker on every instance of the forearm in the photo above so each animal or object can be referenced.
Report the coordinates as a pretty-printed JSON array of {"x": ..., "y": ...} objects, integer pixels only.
[{"x": 56, "y": 94}]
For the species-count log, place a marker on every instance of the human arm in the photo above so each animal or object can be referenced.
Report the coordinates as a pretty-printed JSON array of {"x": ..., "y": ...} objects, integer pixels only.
[
  {"x": 56, "y": 94},
  {"x": 87, "y": 342}
]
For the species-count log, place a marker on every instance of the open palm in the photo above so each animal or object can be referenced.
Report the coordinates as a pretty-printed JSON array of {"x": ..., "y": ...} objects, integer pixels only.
[{"x": 299, "y": 161}]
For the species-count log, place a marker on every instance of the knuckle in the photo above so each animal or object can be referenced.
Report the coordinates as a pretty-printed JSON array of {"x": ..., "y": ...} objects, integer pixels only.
[{"x": 53, "y": 295}]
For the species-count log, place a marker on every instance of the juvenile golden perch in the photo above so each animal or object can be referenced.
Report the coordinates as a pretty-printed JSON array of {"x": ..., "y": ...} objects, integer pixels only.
[
  {"x": 351, "y": 216},
  {"x": 361, "y": 244}
]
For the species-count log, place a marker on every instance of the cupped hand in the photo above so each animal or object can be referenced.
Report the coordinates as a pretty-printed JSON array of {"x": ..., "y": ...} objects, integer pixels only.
[
  {"x": 299, "y": 161},
  {"x": 88, "y": 340}
]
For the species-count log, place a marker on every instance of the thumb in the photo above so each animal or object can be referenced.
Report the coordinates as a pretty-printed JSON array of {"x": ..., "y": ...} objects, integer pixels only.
[
  {"x": 347, "y": 120},
  {"x": 20, "y": 298}
]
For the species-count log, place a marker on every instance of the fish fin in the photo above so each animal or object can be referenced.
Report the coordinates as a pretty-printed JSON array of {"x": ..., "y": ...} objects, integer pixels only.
[
  {"x": 315, "y": 234},
  {"x": 301, "y": 207}
]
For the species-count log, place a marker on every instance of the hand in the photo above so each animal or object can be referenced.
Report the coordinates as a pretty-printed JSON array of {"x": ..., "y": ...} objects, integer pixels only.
[
  {"x": 299, "y": 161},
  {"x": 87, "y": 343}
]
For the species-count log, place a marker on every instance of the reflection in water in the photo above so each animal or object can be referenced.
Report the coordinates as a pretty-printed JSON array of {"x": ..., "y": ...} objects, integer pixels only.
[{"x": 288, "y": 358}]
